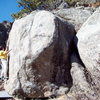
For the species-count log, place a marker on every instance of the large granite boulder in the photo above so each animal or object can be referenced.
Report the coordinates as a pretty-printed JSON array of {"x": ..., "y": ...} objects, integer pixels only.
[
  {"x": 82, "y": 88},
  {"x": 88, "y": 44},
  {"x": 39, "y": 61}
]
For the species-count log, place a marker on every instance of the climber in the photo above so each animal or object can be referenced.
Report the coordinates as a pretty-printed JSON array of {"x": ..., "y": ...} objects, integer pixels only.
[{"x": 3, "y": 60}]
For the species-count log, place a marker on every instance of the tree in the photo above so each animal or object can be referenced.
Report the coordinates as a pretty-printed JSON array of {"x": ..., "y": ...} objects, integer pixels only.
[
  {"x": 27, "y": 7},
  {"x": 30, "y": 5}
]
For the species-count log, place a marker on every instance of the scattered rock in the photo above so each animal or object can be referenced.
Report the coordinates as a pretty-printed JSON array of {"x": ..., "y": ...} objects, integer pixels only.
[{"x": 44, "y": 61}]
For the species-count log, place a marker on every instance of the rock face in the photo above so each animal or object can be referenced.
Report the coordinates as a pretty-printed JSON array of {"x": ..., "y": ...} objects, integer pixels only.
[
  {"x": 75, "y": 16},
  {"x": 39, "y": 61},
  {"x": 82, "y": 88},
  {"x": 88, "y": 44},
  {"x": 48, "y": 59},
  {"x": 85, "y": 74},
  {"x": 4, "y": 31}
]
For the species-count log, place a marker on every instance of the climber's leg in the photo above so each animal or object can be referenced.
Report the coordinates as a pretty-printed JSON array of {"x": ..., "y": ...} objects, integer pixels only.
[{"x": 4, "y": 68}]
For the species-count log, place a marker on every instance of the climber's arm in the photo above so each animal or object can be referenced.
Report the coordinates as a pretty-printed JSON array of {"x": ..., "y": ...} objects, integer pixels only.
[{"x": 8, "y": 51}]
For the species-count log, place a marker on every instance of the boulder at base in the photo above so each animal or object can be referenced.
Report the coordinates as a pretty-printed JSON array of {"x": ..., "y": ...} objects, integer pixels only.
[
  {"x": 39, "y": 60},
  {"x": 88, "y": 43}
]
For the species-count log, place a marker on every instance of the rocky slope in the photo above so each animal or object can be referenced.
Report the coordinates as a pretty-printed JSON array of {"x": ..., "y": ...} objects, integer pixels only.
[
  {"x": 76, "y": 16},
  {"x": 48, "y": 59}
]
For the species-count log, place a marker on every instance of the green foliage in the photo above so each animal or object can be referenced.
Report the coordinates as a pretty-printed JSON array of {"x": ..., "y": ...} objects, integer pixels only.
[
  {"x": 29, "y": 5},
  {"x": 20, "y": 14}
]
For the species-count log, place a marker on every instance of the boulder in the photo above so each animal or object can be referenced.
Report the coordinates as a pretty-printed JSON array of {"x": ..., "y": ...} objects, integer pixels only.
[
  {"x": 39, "y": 61},
  {"x": 88, "y": 44},
  {"x": 82, "y": 88},
  {"x": 75, "y": 16}
]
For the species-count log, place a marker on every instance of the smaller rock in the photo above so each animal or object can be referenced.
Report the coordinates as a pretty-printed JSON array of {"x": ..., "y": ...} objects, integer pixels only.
[{"x": 63, "y": 5}]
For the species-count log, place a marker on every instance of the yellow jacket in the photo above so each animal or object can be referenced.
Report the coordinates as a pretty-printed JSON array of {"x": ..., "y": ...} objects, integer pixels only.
[{"x": 3, "y": 54}]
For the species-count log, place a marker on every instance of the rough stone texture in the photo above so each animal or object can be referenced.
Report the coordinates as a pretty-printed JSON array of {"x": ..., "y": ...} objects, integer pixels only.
[
  {"x": 82, "y": 88},
  {"x": 4, "y": 31},
  {"x": 75, "y": 16},
  {"x": 88, "y": 44},
  {"x": 63, "y": 5},
  {"x": 39, "y": 61}
]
